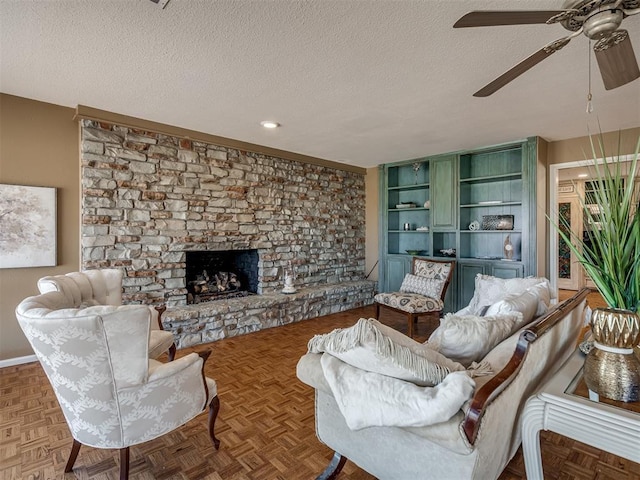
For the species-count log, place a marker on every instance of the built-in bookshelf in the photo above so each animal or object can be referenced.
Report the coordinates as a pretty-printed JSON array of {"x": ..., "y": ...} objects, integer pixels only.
[{"x": 465, "y": 205}]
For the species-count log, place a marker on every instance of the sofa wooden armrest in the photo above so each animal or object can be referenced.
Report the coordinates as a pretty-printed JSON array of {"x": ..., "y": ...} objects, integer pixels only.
[{"x": 490, "y": 390}]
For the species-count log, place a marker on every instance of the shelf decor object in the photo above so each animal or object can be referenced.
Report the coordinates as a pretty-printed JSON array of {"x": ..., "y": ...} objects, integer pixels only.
[
  {"x": 416, "y": 168},
  {"x": 497, "y": 222},
  {"x": 508, "y": 248},
  {"x": 475, "y": 225},
  {"x": 406, "y": 205},
  {"x": 610, "y": 255}
]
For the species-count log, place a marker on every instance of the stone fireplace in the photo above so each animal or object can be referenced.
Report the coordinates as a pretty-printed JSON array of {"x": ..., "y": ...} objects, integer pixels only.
[
  {"x": 151, "y": 201},
  {"x": 217, "y": 275}
]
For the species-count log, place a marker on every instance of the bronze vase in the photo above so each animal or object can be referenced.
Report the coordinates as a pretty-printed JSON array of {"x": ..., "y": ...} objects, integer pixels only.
[{"x": 612, "y": 368}]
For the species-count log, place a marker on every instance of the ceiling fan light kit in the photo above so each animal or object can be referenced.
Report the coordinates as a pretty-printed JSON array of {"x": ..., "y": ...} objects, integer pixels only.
[{"x": 598, "y": 20}]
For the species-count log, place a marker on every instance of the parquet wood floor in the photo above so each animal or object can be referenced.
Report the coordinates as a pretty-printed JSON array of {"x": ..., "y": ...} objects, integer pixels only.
[{"x": 266, "y": 422}]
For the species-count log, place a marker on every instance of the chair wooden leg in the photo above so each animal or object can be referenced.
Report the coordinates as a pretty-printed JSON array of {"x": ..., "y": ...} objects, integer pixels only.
[
  {"x": 214, "y": 408},
  {"x": 172, "y": 352},
  {"x": 334, "y": 467},
  {"x": 75, "y": 448},
  {"x": 124, "y": 463}
]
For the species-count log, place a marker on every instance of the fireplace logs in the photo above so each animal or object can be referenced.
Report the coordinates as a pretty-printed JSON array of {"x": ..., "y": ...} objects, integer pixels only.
[
  {"x": 219, "y": 285},
  {"x": 220, "y": 274}
]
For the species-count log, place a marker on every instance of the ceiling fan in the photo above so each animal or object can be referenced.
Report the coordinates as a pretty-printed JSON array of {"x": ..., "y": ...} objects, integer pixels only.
[{"x": 599, "y": 20}]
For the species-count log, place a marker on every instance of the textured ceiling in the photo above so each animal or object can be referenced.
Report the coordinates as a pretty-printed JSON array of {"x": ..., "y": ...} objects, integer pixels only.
[{"x": 360, "y": 82}]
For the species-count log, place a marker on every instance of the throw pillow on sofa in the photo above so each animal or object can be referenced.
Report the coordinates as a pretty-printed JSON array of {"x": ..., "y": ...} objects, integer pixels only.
[
  {"x": 374, "y": 347},
  {"x": 543, "y": 292},
  {"x": 468, "y": 338},
  {"x": 489, "y": 290},
  {"x": 532, "y": 303},
  {"x": 525, "y": 303}
]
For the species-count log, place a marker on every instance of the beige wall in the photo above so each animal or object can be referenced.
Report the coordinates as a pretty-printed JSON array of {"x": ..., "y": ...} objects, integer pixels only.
[
  {"x": 579, "y": 148},
  {"x": 38, "y": 147},
  {"x": 621, "y": 142},
  {"x": 371, "y": 189}
]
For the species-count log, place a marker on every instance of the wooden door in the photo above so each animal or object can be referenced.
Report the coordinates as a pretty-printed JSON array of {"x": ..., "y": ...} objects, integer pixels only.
[{"x": 570, "y": 273}]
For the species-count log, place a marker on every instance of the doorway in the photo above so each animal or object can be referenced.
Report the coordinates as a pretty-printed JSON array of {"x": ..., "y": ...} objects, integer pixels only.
[{"x": 566, "y": 186}]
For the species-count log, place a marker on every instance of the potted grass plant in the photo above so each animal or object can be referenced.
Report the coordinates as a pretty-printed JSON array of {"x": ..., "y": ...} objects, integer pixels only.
[{"x": 609, "y": 251}]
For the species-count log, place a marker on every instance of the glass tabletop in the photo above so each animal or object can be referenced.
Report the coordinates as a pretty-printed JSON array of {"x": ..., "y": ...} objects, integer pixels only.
[{"x": 579, "y": 388}]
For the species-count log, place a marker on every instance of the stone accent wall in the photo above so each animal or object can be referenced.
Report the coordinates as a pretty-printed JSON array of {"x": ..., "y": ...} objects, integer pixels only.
[{"x": 147, "y": 198}]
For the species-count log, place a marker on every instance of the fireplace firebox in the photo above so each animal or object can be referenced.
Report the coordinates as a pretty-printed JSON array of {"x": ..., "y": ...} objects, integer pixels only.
[{"x": 216, "y": 275}]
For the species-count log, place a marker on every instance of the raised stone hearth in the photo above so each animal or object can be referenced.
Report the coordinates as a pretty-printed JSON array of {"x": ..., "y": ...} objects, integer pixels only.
[
  {"x": 149, "y": 198},
  {"x": 207, "y": 322}
]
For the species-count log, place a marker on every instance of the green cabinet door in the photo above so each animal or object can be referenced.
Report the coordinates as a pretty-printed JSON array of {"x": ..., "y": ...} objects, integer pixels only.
[
  {"x": 467, "y": 281},
  {"x": 397, "y": 267},
  {"x": 507, "y": 270},
  {"x": 468, "y": 270},
  {"x": 443, "y": 193}
]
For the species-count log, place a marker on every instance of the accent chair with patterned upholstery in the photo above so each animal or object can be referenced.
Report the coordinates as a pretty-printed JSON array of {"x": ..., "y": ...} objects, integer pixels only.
[
  {"x": 421, "y": 293},
  {"x": 104, "y": 287},
  {"x": 111, "y": 393}
]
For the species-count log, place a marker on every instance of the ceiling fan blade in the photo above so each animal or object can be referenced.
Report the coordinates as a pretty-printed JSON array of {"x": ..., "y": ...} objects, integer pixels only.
[
  {"x": 505, "y": 17},
  {"x": 522, "y": 67},
  {"x": 616, "y": 60}
]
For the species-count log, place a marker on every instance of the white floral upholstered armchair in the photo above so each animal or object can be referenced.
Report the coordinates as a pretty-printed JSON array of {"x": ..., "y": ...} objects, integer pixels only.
[
  {"x": 111, "y": 393},
  {"x": 421, "y": 293},
  {"x": 104, "y": 287}
]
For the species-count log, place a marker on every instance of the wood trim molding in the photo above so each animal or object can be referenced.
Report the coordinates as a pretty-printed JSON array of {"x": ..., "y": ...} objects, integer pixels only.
[
  {"x": 490, "y": 390},
  {"x": 89, "y": 113}
]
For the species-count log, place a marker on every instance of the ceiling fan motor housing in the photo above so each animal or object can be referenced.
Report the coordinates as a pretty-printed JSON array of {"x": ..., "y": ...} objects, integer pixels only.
[
  {"x": 602, "y": 23},
  {"x": 599, "y": 18}
]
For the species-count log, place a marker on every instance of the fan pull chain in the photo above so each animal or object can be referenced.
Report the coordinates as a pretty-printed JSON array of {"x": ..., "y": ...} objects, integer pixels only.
[{"x": 589, "y": 96}]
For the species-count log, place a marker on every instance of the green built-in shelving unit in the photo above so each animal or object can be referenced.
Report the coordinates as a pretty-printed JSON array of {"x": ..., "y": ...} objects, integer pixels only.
[{"x": 431, "y": 205}]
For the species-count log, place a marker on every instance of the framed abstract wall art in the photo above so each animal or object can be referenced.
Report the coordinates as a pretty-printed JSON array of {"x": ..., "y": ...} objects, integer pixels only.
[{"x": 27, "y": 226}]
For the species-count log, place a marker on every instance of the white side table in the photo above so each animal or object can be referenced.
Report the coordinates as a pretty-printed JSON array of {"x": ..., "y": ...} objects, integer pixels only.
[{"x": 562, "y": 405}]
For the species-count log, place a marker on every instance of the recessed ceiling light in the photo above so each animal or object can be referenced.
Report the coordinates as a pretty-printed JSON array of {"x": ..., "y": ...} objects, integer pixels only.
[
  {"x": 583, "y": 175},
  {"x": 269, "y": 124}
]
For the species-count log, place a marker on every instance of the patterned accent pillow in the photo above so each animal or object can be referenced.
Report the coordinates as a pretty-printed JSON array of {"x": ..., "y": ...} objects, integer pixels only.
[
  {"x": 429, "y": 287},
  {"x": 374, "y": 347},
  {"x": 468, "y": 338},
  {"x": 429, "y": 269},
  {"x": 410, "y": 302}
]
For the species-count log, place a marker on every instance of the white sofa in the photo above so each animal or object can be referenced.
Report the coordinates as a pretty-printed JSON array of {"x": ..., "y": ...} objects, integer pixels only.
[
  {"x": 104, "y": 287},
  {"x": 479, "y": 440}
]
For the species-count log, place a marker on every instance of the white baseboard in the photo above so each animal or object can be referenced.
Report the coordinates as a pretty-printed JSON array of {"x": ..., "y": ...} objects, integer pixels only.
[{"x": 10, "y": 362}]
